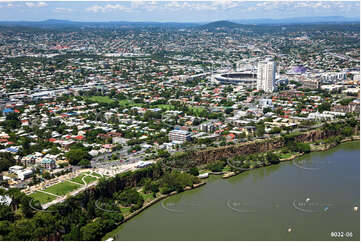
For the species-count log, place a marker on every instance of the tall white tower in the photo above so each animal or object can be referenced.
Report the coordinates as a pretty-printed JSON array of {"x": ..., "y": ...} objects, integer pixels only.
[{"x": 266, "y": 75}]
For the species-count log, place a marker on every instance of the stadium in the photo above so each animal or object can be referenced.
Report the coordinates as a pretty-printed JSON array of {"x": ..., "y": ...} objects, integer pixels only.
[{"x": 245, "y": 79}]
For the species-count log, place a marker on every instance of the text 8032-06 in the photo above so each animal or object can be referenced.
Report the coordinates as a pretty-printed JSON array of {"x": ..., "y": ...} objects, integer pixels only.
[{"x": 341, "y": 234}]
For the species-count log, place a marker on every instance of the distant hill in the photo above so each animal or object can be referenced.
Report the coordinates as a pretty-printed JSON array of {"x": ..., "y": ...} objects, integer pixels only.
[
  {"x": 220, "y": 25},
  {"x": 298, "y": 20},
  {"x": 58, "y": 24},
  {"x": 212, "y": 26}
]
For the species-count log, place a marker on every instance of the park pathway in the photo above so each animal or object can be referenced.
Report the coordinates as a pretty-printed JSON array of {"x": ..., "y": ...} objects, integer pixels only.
[
  {"x": 49, "y": 193},
  {"x": 76, "y": 183}
]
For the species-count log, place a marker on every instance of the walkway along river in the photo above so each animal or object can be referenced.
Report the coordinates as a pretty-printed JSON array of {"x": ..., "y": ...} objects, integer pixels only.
[{"x": 311, "y": 196}]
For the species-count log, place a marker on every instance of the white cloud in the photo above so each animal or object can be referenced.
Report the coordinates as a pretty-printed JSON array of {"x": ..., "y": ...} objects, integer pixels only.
[
  {"x": 36, "y": 4},
  {"x": 276, "y": 7},
  {"x": 42, "y": 4},
  {"x": 225, "y": 4},
  {"x": 62, "y": 10},
  {"x": 107, "y": 8},
  {"x": 150, "y": 6}
]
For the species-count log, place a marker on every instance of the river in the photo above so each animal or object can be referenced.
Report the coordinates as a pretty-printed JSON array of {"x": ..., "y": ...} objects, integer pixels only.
[{"x": 312, "y": 196}]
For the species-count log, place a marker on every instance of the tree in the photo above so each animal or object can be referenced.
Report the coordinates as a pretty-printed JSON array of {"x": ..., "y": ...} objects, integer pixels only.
[
  {"x": 117, "y": 217},
  {"x": 228, "y": 110},
  {"x": 84, "y": 163},
  {"x": 275, "y": 130},
  {"x": 325, "y": 106},
  {"x": 272, "y": 158},
  {"x": 216, "y": 166},
  {"x": 128, "y": 197},
  {"x": 346, "y": 131},
  {"x": 303, "y": 147},
  {"x": 193, "y": 171},
  {"x": 163, "y": 153},
  {"x": 6, "y": 160},
  {"x": 6, "y": 213},
  {"x": 12, "y": 121},
  {"x": 54, "y": 150},
  {"x": 46, "y": 175},
  {"x": 44, "y": 226},
  {"x": 5, "y": 228},
  {"x": 267, "y": 110},
  {"x": 346, "y": 101},
  {"x": 76, "y": 155},
  {"x": 95, "y": 230},
  {"x": 260, "y": 129}
]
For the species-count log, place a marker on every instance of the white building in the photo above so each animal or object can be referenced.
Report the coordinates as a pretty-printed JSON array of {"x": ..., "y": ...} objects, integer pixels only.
[
  {"x": 24, "y": 174},
  {"x": 15, "y": 169},
  {"x": 333, "y": 76},
  {"x": 207, "y": 127},
  {"x": 179, "y": 135},
  {"x": 266, "y": 75}
]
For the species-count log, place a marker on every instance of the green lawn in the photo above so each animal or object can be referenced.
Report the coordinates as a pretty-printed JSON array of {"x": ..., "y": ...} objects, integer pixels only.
[
  {"x": 101, "y": 99},
  {"x": 89, "y": 179},
  {"x": 147, "y": 197},
  {"x": 42, "y": 197},
  {"x": 78, "y": 178},
  {"x": 96, "y": 174},
  {"x": 62, "y": 188},
  {"x": 287, "y": 155},
  {"x": 227, "y": 169},
  {"x": 165, "y": 106},
  {"x": 197, "y": 110},
  {"x": 125, "y": 210},
  {"x": 130, "y": 103}
]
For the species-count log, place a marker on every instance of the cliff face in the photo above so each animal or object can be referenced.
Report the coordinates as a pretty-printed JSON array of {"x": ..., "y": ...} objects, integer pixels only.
[{"x": 211, "y": 155}]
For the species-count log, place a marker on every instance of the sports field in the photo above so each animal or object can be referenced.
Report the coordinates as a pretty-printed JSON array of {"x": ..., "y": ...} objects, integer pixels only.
[
  {"x": 101, "y": 99},
  {"x": 128, "y": 103}
]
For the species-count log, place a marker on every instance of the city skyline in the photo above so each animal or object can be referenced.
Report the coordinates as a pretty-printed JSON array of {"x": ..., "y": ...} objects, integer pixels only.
[{"x": 173, "y": 11}]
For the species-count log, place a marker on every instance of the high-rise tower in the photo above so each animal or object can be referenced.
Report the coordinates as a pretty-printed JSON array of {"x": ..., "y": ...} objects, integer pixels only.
[{"x": 266, "y": 75}]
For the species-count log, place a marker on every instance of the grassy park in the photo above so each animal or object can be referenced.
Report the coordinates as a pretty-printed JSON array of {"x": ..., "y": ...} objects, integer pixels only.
[
  {"x": 65, "y": 187},
  {"x": 42, "y": 197},
  {"x": 129, "y": 103},
  {"x": 88, "y": 179},
  {"x": 147, "y": 196},
  {"x": 196, "y": 110},
  {"x": 165, "y": 106},
  {"x": 62, "y": 188},
  {"x": 96, "y": 174},
  {"x": 101, "y": 99},
  {"x": 78, "y": 179}
]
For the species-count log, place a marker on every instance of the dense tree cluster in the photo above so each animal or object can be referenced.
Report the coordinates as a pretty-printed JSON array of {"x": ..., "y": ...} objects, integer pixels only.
[
  {"x": 78, "y": 155},
  {"x": 216, "y": 166},
  {"x": 79, "y": 217},
  {"x": 129, "y": 197},
  {"x": 6, "y": 160}
]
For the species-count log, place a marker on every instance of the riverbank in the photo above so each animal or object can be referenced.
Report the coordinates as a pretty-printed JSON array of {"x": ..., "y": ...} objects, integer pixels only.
[
  {"x": 225, "y": 176},
  {"x": 324, "y": 147},
  {"x": 314, "y": 148},
  {"x": 149, "y": 204},
  {"x": 213, "y": 154},
  {"x": 260, "y": 195}
]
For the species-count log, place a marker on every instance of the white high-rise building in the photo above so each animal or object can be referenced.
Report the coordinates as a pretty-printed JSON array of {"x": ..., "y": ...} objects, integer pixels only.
[{"x": 266, "y": 75}]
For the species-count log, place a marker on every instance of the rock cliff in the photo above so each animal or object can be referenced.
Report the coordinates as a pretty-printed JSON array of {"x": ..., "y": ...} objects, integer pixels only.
[{"x": 214, "y": 154}]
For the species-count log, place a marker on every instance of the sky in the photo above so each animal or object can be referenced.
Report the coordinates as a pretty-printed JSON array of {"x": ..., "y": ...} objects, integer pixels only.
[{"x": 172, "y": 11}]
